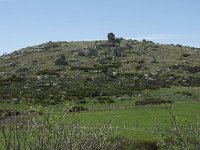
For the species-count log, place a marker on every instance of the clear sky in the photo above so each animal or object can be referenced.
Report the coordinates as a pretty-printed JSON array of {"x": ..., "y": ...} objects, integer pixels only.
[{"x": 29, "y": 22}]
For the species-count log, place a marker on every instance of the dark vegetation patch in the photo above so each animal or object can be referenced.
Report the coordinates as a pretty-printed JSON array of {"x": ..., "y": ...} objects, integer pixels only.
[
  {"x": 186, "y": 93},
  {"x": 97, "y": 67},
  {"x": 12, "y": 78},
  {"x": 5, "y": 113},
  {"x": 123, "y": 143},
  {"x": 153, "y": 101},
  {"x": 78, "y": 109},
  {"x": 190, "y": 69},
  {"x": 82, "y": 102},
  {"x": 177, "y": 80},
  {"x": 105, "y": 100},
  {"x": 186, "y": 55},
  {"x": 54, "y": 89},
  {"x": 47, "y": 72}
]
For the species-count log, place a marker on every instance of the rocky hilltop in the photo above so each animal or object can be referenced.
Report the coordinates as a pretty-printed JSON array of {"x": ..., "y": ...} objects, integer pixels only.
[{"x": 54, "y": 72}]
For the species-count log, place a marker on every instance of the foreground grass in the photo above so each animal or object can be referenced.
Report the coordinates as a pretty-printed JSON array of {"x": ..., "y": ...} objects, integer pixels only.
[
  {"x": 128, "y": 121},
  {"x": 139, "y": 122},
  {"x": 135, "y": 125},
  {"x": 135, "y": 122}
]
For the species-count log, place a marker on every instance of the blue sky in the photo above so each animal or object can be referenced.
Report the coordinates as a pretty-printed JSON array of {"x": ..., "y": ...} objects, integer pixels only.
[{"x": 29, "y": 22}]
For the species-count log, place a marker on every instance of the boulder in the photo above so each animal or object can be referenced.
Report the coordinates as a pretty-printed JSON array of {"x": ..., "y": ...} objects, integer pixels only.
[
  {"x": 75, "y": 50},
  {"x": 60, "y": 60},
  {"x": 90, "y": 52},
  {"x": 111, "y": 37},
  {"x": 2, "y": 74},
  {"x": 77, "y": 54}
]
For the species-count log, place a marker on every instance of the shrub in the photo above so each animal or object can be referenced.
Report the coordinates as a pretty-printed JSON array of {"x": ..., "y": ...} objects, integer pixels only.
[
  {"x": 183, "y": 135},
  {"x": 152, "y": 101},
  {"x": 104, "y": 98},
  {"x": 82, "y": 102},
  {"x": 110, "y": 101},
  {"x": 186, "y": 55},
  {"x": 5, "y": 113},
  {"x": 97, "y": 67},
  {"x": 124, "y": 143},
  {"x": 53, "y": 130},
  {"x": 78, "y": 109}
]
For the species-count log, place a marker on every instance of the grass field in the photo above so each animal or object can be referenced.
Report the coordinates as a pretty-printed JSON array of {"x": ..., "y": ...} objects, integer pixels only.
[
  {"x": 128, "y": 120},
  {"x": 137, "y": 122}
]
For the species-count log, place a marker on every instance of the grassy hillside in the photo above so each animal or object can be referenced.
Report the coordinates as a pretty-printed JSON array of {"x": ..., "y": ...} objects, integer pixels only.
[{"x": 95, "y": 68}]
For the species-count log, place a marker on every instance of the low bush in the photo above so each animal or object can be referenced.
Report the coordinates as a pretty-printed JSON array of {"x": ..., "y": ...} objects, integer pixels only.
[
  {"x": 53, "y": 130},
  {"x": 96, "y": 67},
  {"x": 104, "y": 99},
  {"x": 124, "y": 143},
  {"x": 152, "y": 101},
  {"x": 186, "y": 93},
  {"x": 82, "y": 102},
  {"x": 180, "y": 135},
  {"x": 5, "y": 113},
  {"x": 110, "y": 101},
  {"x": 78, "y": 109}
]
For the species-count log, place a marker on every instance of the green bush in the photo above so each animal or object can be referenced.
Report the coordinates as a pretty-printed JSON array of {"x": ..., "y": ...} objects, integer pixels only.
[
  {"x": 52, "y": 130},
  {"x": 78, "y": 109},
  {"x": 152, "y": 101},
  {"x": 180, "y": 135}
]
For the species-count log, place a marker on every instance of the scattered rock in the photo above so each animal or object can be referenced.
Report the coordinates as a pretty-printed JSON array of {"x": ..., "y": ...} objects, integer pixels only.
[
  {"x": 75, "y": 50},
  {"x": 12, "y": 64},
  {"x": 123, "y": 98},
  {"x": 116, "y": 52},
  {"x": 77, "y": 54},
  {"x": 60, "y": 60},
  {"x": 2, "y": 74},
  {"x": 104, "y": 59},
  {"x": 15, "y": 101},
  {"x": 91, "y": 52},
  {"x": 111, "y": 37},
  {"x": 48, "y": 84},
  {"x": 55, "y": 84},
  {"x": 111, "y": 73}
]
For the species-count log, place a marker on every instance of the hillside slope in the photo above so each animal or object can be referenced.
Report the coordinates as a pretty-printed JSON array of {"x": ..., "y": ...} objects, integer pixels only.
[{"x": 59, "y": 71}]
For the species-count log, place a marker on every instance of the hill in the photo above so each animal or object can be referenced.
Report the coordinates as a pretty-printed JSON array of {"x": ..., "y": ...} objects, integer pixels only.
[{"x": 55, "y": 72}]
